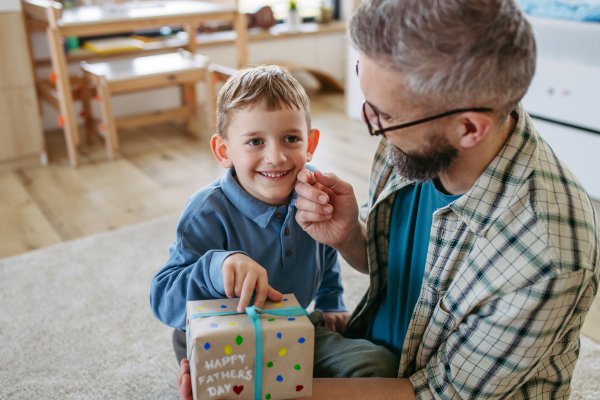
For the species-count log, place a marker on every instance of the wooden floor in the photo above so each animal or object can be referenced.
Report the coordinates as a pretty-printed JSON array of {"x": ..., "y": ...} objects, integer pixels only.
[{"x": 159, "y": 168}]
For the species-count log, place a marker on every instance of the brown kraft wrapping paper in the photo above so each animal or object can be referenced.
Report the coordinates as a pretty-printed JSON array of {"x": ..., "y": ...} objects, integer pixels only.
[{"x": 222, "y": 352}]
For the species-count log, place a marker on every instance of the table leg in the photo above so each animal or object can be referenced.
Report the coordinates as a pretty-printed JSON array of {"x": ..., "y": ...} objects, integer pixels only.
[
  {"x": 241, "y": 40},
  {"x": 188, "y": 90},
  {"x": 65, "y": 98}
]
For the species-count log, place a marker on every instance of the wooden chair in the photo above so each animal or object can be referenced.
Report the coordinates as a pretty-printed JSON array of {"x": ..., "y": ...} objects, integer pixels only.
[{"x": 143, "y": 73}]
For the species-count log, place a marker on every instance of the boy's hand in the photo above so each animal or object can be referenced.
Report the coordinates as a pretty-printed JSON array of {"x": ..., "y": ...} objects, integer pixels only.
[
  {"x": 184, "y": 381},
  {"x": 241, "y": 276},
  {"x": 336, "y": 321}
]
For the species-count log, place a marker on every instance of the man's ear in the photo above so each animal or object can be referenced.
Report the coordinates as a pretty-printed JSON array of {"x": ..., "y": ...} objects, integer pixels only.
[
  {"x": 313, "y": 141},
  {"x": 474, "y": 127},
  {"x": 220, "y": 151}
]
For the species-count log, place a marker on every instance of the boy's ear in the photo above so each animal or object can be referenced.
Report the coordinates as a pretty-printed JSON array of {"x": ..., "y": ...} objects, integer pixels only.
[
  {"x": 219, "y": 149},
  {"x": 313, "y": 141}
]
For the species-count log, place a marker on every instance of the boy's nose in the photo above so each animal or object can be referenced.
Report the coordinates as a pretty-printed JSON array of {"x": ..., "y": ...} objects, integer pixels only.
[{"x": 275, "y": 155}]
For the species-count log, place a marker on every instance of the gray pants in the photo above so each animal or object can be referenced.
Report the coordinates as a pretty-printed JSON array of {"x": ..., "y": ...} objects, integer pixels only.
[{"x": 335, "y": 355}]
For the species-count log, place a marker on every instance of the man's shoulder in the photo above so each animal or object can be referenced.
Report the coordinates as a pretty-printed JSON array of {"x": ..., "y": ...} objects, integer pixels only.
[{"x": 551, "y": 216}]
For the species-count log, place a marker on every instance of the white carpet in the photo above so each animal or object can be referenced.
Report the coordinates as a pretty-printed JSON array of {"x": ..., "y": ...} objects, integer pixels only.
[{"x": 75, "y": 322}]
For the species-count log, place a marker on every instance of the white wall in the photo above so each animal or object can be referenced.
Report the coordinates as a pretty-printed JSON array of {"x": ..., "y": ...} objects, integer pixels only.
[{"x": 10, "y": 5}]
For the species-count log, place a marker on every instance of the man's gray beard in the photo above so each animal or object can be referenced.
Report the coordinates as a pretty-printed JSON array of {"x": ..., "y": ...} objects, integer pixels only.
[{"x": 426, "y": 165}]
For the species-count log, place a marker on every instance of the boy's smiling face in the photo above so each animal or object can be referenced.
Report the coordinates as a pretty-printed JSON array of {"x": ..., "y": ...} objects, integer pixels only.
[{"x": 268, "y": 149}]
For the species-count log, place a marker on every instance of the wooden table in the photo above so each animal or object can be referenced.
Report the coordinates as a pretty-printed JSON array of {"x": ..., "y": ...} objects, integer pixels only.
[{"x": 49, "y": 16}]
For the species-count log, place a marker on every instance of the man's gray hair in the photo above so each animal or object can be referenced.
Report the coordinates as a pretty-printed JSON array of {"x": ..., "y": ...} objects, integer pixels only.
[{"x": 452, "y": 53}]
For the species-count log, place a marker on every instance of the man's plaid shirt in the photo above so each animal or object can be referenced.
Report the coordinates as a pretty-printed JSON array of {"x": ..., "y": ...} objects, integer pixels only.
[{"x": 515, "y": 263}]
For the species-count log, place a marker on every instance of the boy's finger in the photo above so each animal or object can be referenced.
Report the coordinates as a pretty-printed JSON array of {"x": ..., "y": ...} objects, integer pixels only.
[
  {"x": 247, "y": 290},
  {"x": 185, "y": 389},
  {"x": 262, "y": 288},
  {"x": 228, "y": 282},
  {"x": 274, "y": 295}
]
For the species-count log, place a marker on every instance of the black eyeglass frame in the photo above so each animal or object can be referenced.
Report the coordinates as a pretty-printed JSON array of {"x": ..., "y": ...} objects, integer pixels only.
[{"x": 381, "y": 130}]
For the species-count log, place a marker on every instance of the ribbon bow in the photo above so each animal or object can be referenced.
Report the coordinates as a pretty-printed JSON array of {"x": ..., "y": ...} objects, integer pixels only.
[{"x": 254, "y": 314}]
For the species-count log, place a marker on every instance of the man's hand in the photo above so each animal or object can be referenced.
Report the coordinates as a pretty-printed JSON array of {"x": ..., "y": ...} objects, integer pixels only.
[
  {"x": 184, "y": 381},
  {"x": 328, "y": 212},
  {"x": 336, "y": 321},
  {"x": 241, "y": 276},
  {"x": 327, "y": 208}
]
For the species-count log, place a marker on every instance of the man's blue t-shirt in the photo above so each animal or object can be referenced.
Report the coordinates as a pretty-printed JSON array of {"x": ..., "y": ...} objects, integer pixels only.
[{"x": 410, "y": 229}]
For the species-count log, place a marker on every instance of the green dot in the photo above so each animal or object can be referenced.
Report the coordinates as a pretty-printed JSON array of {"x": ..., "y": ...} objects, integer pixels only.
[
  {"x": 297, "y": 366},
  {"x": 271, "y": 319},
  {"x": 239, "y": 340},
  {"x": 270, "y": 364},
  {"x": 268, "y": 396}
]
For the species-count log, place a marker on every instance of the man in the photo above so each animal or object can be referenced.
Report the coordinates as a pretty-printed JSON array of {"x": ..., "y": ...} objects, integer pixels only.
[{"x": 482, "y": 247}]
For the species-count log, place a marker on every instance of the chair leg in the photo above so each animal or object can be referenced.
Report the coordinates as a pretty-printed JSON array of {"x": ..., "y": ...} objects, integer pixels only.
[
  {"x": 109, "y": 129},
  {"x": 87, "y": 109},
  {"x": 188, "y": 98}
]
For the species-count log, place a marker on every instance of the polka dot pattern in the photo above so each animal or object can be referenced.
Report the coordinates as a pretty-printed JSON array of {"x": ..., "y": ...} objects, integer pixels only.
[
  {"x": 301, "y": 340},
  {"x": 279, "y": 335},
  {"x": 283, "y": 351},
  {"x": 207, "y": 346},
  {"x": 228, "y": 350},
  {"x": 279, "y": 378}
]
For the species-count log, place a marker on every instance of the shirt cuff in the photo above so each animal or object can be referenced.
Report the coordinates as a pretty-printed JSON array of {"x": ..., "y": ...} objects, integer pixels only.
[
  {"x": 419, "y": 382},
  {"x": 330, "y": 304},
  {"x": 216, "y": 263}
]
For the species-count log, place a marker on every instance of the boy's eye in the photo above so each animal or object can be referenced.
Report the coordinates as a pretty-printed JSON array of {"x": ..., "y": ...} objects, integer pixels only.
[
  {"x": 255, "y": 142},
  {"x": 291, "y": 139}
]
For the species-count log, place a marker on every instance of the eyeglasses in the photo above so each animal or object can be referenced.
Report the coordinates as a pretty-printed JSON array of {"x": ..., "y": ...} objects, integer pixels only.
[{"x": 371, "y": 117}]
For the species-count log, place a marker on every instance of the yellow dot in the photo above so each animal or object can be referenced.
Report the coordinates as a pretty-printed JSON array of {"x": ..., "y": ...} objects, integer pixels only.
[
  {"x": 277, "y": 304},
  {"x": 232, "y": 323},
  {"x": 200, "y": 308},
  {"x": 228, "y": 349},
  {"x": 282, "y": 351}
]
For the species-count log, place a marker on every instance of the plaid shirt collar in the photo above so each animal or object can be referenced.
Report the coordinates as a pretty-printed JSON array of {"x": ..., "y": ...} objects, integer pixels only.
[{"x": 491, "y": 194}]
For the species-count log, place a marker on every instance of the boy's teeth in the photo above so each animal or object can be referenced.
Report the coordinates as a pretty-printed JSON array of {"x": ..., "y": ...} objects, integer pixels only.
[{"x": 273, "y": 175}]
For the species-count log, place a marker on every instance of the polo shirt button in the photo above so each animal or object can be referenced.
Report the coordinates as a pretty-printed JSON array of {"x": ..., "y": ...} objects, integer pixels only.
[
  {"x": 287, "y": 231},
  {"x": 278, "y": 215},
  {"x": 288, "y": 253}
]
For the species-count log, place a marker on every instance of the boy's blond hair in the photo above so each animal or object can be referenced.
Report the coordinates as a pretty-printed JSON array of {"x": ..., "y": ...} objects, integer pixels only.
[{"x": 270, "y": 85}]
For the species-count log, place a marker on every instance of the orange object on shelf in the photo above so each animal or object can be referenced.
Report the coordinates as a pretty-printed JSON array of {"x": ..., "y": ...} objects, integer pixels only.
[
  {"x": 53, "y": 77},
  {"x": 61, "y": 121}
]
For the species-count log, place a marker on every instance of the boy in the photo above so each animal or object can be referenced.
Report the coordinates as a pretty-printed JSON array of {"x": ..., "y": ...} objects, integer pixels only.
[{"x": 239, "y": 234}]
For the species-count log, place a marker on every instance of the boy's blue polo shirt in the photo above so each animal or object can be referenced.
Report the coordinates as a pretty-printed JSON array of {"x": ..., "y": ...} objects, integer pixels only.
[
  {"x": 410, "y": 228},
  {"x": 221, "y": 219}
]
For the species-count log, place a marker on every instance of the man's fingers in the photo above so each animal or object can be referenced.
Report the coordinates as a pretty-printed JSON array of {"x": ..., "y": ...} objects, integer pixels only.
[
  {"x": 306, "y": 176},
  {"x": 262, "y": 289},
  {"x": 305, "y": 218},
  {"x": 247, "y": 291},
  {"x": 334, "y": 183},
  {"x": 330, "y": 323},
  {"x": 274, "y": 295},
  {"x": 308, "y": 205},
  {"x": 312, "y": 193}
]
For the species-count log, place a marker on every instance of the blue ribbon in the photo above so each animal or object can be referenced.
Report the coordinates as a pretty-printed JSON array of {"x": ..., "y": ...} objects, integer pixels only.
[{"x": 254, "y": 313}]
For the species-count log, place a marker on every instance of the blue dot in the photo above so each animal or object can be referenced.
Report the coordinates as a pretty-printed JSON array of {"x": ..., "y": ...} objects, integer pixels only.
[
  {"x": 213, "y": 325},
  {"x": 223, "y": 306},
  {"x": 285, "y": 299},
  {"x": 291, "y": 319},
  {"x": 279, "y": 378},
  {"x": 279, "y": 335},
  {"x": 301, "y": 340},
  {"x": 207, "y": 346}
]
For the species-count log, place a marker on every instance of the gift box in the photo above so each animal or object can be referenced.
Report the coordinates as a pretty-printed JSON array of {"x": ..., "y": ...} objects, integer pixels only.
[{"x": 258, "y": 354}]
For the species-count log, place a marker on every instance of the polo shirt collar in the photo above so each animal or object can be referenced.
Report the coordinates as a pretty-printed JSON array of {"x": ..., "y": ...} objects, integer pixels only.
[{"x": 257, "y": 211}]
